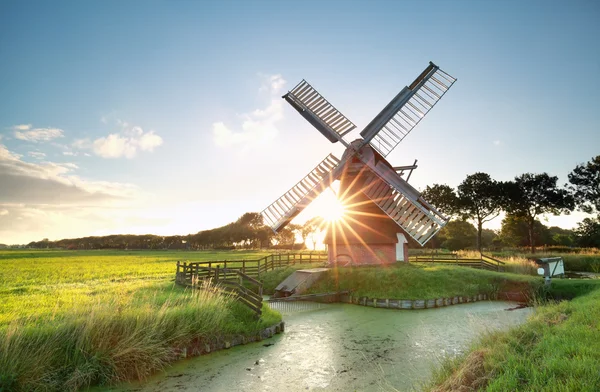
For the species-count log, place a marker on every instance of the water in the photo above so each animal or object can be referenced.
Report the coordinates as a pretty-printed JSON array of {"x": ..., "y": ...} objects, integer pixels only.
[{"x": 338, "y": 347}]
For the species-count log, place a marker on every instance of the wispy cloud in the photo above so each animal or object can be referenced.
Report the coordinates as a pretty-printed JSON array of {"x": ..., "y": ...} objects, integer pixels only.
[
  {"x": 497, "y": 142},
  {"x": 36, "y": 154},
  {"x": 258, "y": 126},
  {"x": 126, "y": 143},
  {"x": 51, "y": 182},
  {"x": 36, "y": 135},
  {"x": 22, "y": 127}
]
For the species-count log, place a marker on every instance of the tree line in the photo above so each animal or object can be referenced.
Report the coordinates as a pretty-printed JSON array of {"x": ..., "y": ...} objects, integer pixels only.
[
  {"x": 479, "y": 199},
  {"x": 247, "y": 232},
  {"x": 475, "y": 201}
]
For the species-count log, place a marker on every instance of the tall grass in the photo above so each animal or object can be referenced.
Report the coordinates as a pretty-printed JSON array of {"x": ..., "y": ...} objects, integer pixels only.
[
  {"x": 61, "y": 331},
  {"x": 556, "y": 350}
]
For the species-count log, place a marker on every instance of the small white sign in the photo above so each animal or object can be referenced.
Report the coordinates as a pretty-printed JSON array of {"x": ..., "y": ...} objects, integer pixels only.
[{"x": 540, "y": 271}]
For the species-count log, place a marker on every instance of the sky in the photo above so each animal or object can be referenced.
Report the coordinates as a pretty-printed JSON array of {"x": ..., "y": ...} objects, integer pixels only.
[{"x": 167, "y": 118}]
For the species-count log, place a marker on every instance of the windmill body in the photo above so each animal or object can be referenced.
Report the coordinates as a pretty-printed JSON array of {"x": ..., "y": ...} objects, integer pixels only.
[{"x": 382, "y": 209}]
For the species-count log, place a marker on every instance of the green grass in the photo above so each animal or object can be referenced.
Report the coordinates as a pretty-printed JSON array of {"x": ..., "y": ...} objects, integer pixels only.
[
  {"x": 556, "y": 350},
  {"x": 73, "y": 319},
  {"x": 408, "y": 281}
]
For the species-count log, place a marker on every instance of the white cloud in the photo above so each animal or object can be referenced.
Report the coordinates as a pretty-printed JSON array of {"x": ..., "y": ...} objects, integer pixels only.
[
  {"x": 271, "y": 83},
  {"x": 27, "y": 133},
  {"x": 36, "y": 154},
  {"x": 70, "y": 153},
  {"x": 3, "y": 212},
  {"x": 497, "y": 142},
  {"x": 22, "y": 127},
  {"x": 258, "y": 126},
  {"x": 51, "y": 182},
  {"x": 123, "y": 144}
]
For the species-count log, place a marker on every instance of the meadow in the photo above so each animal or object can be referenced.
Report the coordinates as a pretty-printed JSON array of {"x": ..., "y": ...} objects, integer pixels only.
[{"x": 72, "y": 319}]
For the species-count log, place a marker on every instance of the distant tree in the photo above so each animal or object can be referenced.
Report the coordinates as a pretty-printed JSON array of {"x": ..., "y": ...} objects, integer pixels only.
[
  {"x": 310, "y": 228},
  {"x": 514, "y": 232},
  {"x": 488, "y": 237},
  {"x": 531, "y": 195},
  {"x": 585, "y": 185},
  {"x": 559, "y": 236},
  {"x": 442, "y": 197},
  {"x": 458, "y": 234},
  {"x": 588, "y": 233},
  {"x": 285, "y": 236},
  {"x": 480, "y": 200}
]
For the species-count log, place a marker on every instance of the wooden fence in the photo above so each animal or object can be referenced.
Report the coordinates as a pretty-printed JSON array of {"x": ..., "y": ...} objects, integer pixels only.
[
  {"x": 245, "y": 289},
  {"x": 483, "y": 262},
  {"x": 253, "y": 267}
]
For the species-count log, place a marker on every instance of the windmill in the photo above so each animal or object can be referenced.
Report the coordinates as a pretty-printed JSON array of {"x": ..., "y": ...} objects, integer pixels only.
[{"x": 381, "y": 205}]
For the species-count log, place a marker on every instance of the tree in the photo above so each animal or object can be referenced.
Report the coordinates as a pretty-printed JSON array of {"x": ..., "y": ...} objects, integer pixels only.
[
  {"x": 442, "y": 197},
  {"x": 585, "y": 185},
  {"x": 588, "y": 233},
  {"x": 531, "y": 195},
  {"x": 310, "y": 228},
  {"x": 458, "y": 234},
  {"x": 479, "y": 199},
  {"x": 514, "y": 232}
]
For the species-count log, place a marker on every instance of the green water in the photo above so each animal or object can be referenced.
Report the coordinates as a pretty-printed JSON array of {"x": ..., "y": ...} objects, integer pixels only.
[{"x": 341, "y": 348}]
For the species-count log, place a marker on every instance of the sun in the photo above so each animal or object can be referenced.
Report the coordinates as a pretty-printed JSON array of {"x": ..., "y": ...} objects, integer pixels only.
[{"x": 330, "y": 208}]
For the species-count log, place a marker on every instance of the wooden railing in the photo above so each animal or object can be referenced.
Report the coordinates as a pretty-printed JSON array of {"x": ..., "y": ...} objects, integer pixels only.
[
  {"x": 244, "y": 288},
  {"x": 237, "y": 276},
  {"x": 483, "y": 262},
  {"x": 254, "y": 267}
]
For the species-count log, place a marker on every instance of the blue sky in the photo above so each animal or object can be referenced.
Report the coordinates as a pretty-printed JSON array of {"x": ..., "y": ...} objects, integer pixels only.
[{"x": 166, "y": 117}]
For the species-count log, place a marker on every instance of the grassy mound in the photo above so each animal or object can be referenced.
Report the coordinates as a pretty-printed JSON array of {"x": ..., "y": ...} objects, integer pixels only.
[
  {"x": 556, "y": 350},
  {"x": 417, "y": 281}
]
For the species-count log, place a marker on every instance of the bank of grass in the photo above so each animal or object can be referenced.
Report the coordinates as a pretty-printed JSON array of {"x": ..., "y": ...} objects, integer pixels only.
[
  {"x": 70, "y": 320},
  {"x": 411, "y": 281},
  {"x": 556, "y": 350}
]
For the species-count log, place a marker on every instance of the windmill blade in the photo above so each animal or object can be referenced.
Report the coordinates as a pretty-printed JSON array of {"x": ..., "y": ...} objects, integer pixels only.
[
  {"x": 403, "y": 203},
  {"x": 405, "y": 111},
  {"x": 284, "y": 209},
  {"x": 319, "y": 112}
]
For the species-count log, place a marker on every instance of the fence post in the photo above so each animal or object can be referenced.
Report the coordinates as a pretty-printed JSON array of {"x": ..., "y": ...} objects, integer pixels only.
[
  {"x": 244, "y": 266},
  {"x": 225, "y": 264},
  {"x": 258, "y": 268},
  {"x": 177, "y": 274},
  {"x": 217, "y": 274}
]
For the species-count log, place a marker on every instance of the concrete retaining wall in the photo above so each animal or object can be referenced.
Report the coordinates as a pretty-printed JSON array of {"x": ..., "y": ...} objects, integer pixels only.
[
  {"x": 410, "y": 303},
  {"x": 201, "y": 347}
]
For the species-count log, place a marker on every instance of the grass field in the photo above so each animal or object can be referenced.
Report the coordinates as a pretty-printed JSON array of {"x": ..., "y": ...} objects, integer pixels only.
[
  {"x": 70, "y": 319},
  {"x": 556, "y": 350}
]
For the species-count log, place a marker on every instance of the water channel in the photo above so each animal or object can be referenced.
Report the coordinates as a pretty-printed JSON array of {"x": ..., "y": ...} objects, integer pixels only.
[{"x": 339, "y": 347}]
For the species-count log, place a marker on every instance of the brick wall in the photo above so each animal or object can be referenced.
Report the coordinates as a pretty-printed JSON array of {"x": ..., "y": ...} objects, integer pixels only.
[{"x": 360, "y": 254}]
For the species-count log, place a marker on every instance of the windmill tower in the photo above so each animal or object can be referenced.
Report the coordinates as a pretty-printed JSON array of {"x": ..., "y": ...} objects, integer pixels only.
[{"x": 382, "y": 208}]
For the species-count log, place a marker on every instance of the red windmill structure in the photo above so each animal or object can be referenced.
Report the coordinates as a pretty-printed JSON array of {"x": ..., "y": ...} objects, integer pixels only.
[{"x": 381, "y": 208}]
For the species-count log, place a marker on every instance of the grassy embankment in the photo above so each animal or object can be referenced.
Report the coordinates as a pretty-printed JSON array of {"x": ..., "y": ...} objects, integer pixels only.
[
  {"x": 409, "y": 281},
  {"x": 73, "y": 319},
  {"x": 556, "y": 350}
]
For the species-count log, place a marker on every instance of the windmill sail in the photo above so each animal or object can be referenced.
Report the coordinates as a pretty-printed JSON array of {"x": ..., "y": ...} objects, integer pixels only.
[
  {"x": 319, "y": 112},
  {"x": 284, "y": 209},
  {"x": 405, "y": 111},
  {"x": 403, "y": 204}
]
